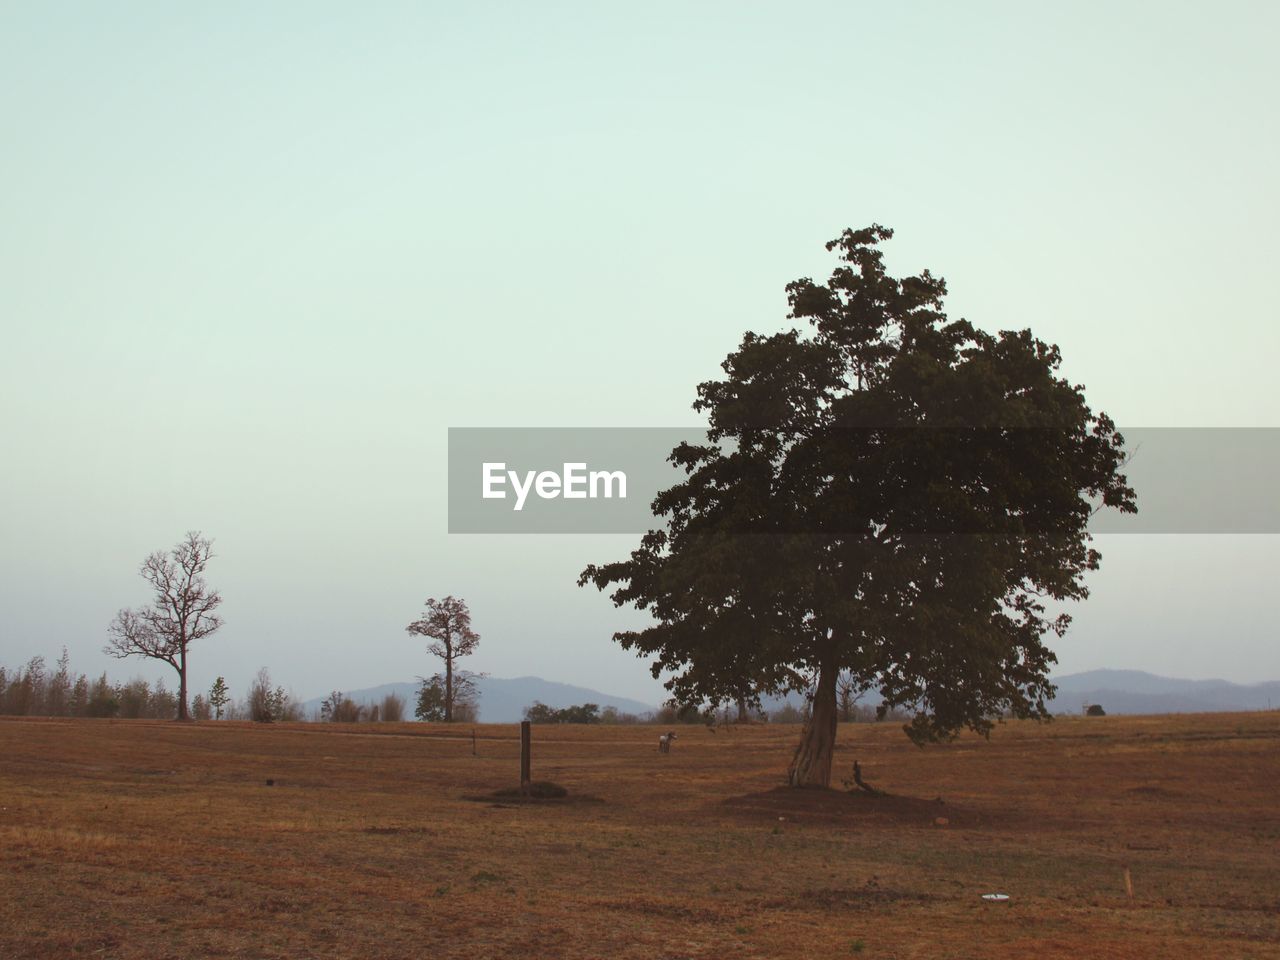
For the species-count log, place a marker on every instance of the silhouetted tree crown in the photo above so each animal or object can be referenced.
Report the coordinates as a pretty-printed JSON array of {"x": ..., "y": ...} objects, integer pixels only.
[{"x": 890, "y": 495}]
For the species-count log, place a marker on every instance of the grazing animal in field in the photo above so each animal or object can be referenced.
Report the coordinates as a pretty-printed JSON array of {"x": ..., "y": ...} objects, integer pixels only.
[{"x": 664, "y": 742}]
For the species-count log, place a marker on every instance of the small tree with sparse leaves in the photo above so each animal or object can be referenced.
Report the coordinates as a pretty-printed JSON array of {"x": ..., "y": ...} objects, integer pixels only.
[{"x": 219, "y": 697}]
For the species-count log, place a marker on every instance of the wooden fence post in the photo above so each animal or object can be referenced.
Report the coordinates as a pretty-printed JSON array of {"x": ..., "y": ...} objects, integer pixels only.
[{"x": 526, "y": 740}]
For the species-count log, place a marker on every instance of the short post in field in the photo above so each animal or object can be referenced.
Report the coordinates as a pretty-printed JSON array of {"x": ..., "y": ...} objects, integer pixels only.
[
  {"x": 525, "y": 743},
  {"x": 1128, "y": 882}
]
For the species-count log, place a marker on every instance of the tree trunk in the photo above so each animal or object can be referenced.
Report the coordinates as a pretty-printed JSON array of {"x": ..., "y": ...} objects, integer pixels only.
[
  {"x": 811, "y": 765},
  {"x": 742, "y": 710},
  {"x": 448, "y": 688},
  {"x": 182, "y": 684}
]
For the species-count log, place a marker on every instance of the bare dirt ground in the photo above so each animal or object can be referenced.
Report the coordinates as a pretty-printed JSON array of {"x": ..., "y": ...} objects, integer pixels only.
[{"x": 140, "y": 839}]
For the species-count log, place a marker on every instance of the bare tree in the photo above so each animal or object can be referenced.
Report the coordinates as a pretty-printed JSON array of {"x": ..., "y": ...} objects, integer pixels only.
[
  {"x": 182, "y": 612},
  {"x": 447, "y": 623},
  {"x": 848, "y": 692}
]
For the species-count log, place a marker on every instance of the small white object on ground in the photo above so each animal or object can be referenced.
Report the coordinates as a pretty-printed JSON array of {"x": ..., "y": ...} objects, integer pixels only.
[{"x": 1000, "y": 897}]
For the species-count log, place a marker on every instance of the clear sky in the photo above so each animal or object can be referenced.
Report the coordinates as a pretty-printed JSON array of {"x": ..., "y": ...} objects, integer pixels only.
[{"x": 255, "y": 259}]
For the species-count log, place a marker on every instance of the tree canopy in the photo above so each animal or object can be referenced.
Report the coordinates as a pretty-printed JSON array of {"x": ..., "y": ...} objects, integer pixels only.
[
  {"x": 891, "y": 495},
  {"x": 539, "y": 712},
  {"x": 447, "y": 624}
]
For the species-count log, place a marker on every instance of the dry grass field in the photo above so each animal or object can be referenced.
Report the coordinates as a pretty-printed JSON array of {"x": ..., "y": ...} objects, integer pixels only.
[{"x": 148, "y": 839}]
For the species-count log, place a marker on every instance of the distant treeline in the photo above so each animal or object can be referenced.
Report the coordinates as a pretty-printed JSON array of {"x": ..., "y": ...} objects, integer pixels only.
[
  {"x": 338, "y": 708},
  {"x": 36, "y": 690},
  {"x": 670, "y": 714}
]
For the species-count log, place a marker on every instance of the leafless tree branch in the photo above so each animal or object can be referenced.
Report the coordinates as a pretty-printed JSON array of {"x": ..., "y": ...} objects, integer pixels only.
[{"x": 182, "y": 611}]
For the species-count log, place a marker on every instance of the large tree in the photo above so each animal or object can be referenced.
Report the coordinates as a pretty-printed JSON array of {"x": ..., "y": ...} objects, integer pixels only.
[
  {"x": 181, "y": 613},
  {"x": 447, "y": 623},
  {"x": 892, "y": 496}
]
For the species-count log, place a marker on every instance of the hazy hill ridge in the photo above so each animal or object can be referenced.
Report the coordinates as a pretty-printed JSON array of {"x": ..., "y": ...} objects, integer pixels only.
[
  {"x": 1135, "y": 691},
  {"x": 502, "y": 700}
]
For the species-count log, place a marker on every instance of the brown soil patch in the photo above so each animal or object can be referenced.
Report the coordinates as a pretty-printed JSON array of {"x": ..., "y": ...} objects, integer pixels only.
[
  {"x": 541, "y": 791},
  {"x": 791, "y": 805}
]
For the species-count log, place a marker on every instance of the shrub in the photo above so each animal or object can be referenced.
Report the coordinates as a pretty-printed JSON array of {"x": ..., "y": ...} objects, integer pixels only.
[
  {"x": 163, "y": 705},
  {"x": 431, "y": 697},
  {"x": 103, "y": 701},
  {"x": 614, "y": 715},
  {"x": 338, "y": 708},
  {"x": 671, "y": 713},
  {"x": 392, "y": 708},
  {"x": 267, "y": 705},
  {"x": 134, "y": 697},
  {"x": 539, "y": 712}
]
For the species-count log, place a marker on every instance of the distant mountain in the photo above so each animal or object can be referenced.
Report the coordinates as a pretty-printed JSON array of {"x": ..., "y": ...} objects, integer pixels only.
[
  {"x": 502, "y": 700},
  {"x": 1130, "y": 691},
  {"x": 1135, "y": 691}
]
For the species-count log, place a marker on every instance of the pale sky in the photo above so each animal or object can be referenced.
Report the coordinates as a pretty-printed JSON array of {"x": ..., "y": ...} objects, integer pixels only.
[{"x": 256, "y": 259}]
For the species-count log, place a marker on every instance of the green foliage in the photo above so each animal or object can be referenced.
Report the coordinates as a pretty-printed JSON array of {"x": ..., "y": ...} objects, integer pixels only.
[
  {"x": 673, "y": 712},
  {"x": 266, "y": 704},
  {"x": 580, "y": 713},
  {"x": 138, "y": 698},
  {"x": 58, "y": 695},
  {"x": 219, "y": 697},
  {"x": 892, "y": 497},
  {"x": 612, "y": 715},
  {"x": 539, "y": 712},
  {"x": 283, "y": 705},
  {"x": 432, "y": 703},
  {"x": 25, "y": 689},
  {"x": 133, "y": 697},
  {"x": 103, "y": 701},
  {"x": 79, "y": 702},
  {"x": 1095, "y": 710}
]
